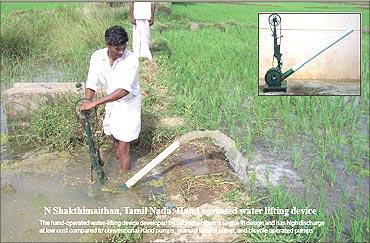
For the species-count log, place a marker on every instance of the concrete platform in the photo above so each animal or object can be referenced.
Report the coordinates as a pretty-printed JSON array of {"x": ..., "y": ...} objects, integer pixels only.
[
  {"x": 317, "y": 87},
  {"x": 22, "y": 97}
]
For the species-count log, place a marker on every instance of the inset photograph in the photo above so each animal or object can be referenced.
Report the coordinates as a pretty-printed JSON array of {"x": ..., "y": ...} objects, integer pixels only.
[{"x": 308, "y": 54}]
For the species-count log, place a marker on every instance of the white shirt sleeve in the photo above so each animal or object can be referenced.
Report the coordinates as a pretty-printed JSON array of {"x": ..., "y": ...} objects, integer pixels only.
[{"x": 92, "y": 81}]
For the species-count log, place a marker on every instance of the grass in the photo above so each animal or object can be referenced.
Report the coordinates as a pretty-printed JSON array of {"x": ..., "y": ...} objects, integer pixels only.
[
  {"x": 304, "y": 121},
  {"x": 68, "y": 37},
  {"x": 221, "y": 12},
  {"x": 26, "y": 6},
  {"x": 296, "y": 159},
  {"x": 216, "y": 181},
  {"x": 54, "y": 124},
  {"x": 208, "y": 77}
]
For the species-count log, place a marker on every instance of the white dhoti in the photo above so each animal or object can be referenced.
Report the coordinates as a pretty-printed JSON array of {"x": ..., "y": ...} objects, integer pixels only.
[
  {"x": 141, "y": 38},
  {"x": 123, "y": 119}
]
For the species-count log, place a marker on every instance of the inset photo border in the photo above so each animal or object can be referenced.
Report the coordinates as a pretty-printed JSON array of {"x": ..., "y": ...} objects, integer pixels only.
[{"x": 309, "y": 54}]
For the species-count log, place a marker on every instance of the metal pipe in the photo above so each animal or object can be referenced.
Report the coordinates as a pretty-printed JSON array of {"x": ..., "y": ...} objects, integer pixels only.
[{"x": 134, "y": 179}]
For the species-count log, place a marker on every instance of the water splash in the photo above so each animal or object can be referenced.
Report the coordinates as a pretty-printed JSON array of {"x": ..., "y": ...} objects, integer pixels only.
[{"x": 235, "y": 158}]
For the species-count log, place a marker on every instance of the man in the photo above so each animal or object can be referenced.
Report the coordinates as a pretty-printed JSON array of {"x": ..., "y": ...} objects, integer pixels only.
[
  {"x": 142, "y": 16},
  {"x": 116, "y": 68}
]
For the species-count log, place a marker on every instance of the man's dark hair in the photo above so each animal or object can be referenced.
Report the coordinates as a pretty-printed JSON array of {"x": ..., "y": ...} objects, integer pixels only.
[{"x": 116, "y": 35}]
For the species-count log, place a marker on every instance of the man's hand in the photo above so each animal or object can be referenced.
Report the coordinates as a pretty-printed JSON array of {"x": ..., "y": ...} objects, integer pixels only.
[
  {"x": 87, "y": 106},
  {"x": 133, "y": 21},
  {"x": 151, "y": 22}
]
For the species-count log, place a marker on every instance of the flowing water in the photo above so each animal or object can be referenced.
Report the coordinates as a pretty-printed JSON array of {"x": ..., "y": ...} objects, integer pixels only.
[
  {"x": 49, "y": 179},
  {"x": 235, "y": 158}
]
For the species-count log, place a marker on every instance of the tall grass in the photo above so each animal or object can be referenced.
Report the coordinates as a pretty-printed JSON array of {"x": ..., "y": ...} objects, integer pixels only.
[
  {"x": 53, "y": 124},
  {"x": 65, "y": 39}
]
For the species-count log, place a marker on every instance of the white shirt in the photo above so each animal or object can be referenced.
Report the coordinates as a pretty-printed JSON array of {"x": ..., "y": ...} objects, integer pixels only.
[
  {"x": 143, "y": 10},
  {"x": 123, "y": 117},
  {"x": 122, "y": 74}
]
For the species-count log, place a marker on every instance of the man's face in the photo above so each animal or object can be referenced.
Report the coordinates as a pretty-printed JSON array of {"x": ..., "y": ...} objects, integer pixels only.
[{"x": 116, "y": 52}]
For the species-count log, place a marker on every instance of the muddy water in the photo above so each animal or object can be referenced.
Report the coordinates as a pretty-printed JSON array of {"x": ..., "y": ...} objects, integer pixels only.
[
  {"x": 42, "y": 179},
  {"x": 49, "y": 179}
]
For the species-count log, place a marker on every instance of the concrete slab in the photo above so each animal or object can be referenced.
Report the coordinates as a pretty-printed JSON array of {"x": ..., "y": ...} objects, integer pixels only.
[
  {"x": 318, "y": 87},
  {"x": 22, "y": 97}
]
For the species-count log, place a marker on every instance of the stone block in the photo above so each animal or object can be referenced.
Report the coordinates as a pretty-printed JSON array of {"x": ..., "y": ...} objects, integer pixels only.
[{"x": 23, "y": 97}]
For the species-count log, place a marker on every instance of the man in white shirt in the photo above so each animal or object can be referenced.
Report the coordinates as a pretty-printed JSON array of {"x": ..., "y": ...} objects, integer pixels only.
[
  {"x": 116, "y": 69},
  {"x": 142, "y": 17}
]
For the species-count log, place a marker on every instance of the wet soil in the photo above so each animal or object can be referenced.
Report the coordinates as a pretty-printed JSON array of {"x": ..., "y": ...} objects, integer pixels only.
[
  {"x": 191, "y": 166},
  {"x": 318, "y": 87},
  {"x": 197, "y": 175},
  {"x": 304, "y": 180}
]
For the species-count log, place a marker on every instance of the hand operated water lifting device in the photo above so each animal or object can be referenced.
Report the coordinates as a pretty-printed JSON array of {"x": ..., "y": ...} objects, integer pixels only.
[
  {"x": 274, "y": 77},
  {"x": 96, "y": 161}
]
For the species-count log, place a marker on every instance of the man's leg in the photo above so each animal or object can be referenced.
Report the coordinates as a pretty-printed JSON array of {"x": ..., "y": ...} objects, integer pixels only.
[
  {"x": 124, "y": 155},
  {"x": 115, "y": 146},
  {"x": 136, "y": 39},
  {"x": 145, "y": 40}
]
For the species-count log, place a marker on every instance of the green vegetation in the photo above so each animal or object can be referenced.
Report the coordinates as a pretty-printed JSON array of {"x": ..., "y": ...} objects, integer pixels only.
[
  {"x": 65, "y": 39},
  {"x": 26, "y": 6},
  {"x": 3, "y": 139},
  {"x": 54, "y": 124},
  {"x": 296, "y": 159},
  {"x": 209, "y": 78}
]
